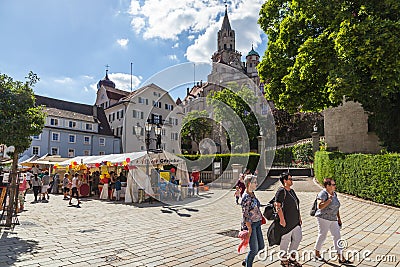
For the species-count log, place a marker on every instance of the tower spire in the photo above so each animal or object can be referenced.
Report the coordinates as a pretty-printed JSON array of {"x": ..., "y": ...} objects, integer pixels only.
[{"x": 226, "y": 24}]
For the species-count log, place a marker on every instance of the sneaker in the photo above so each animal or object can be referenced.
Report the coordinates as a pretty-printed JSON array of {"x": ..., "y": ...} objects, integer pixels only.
[
  {"x": 78, "y": 206},
  {"x": 244, "y": 263},
  {"x": 70, "y": 203}
]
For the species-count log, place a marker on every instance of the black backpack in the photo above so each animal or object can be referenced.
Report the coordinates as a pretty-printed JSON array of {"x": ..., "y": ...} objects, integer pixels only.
[{"x": 269, "y": 212}]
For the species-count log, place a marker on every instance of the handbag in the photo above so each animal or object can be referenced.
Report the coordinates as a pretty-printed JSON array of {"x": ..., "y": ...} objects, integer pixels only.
[
  {"x": 314, "y": 207},
  {"x": 269, "y": 211},
  {"x": 263, "y": 220}
]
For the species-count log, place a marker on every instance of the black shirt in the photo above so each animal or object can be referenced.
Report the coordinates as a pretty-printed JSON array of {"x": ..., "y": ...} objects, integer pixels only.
[{"x": 290, "y": 208}]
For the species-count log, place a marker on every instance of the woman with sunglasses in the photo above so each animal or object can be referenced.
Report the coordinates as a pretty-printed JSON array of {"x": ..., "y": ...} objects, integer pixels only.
[
  {"x": 288, "y": 209},
  {"x": 328, "y": 219}
]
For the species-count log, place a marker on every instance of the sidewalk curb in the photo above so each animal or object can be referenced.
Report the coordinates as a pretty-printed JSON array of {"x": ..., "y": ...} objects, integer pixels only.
[{"x": 348, "y": 196}]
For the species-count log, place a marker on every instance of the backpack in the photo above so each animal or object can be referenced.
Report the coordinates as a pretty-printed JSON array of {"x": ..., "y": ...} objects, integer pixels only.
[
  {"x": 314, "y": 207},
  {"x": 269, "y": 212}
]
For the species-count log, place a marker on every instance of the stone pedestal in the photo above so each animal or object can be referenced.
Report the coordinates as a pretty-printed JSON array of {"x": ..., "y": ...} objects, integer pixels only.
[{"x": 261, "y": 168}]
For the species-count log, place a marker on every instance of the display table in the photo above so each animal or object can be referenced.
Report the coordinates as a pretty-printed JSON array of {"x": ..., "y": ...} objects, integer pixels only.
[{"x": 123, "y": 192}]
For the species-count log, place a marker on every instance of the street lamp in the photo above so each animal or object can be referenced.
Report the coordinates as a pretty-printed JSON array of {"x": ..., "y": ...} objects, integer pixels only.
[
  {"x": 148, "y": 126},
  {"x": 158, "y": 136}
]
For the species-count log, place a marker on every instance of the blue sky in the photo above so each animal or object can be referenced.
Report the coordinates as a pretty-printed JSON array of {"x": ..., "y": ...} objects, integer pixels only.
[{"x": 69, "y": 42}]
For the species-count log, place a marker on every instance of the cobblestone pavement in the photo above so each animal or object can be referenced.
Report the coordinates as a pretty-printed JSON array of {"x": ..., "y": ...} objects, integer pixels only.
[{"x": 103, "y": 233}]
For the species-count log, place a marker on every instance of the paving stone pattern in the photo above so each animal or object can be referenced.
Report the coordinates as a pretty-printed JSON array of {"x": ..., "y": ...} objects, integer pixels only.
[{"x": 104, "y": 233}]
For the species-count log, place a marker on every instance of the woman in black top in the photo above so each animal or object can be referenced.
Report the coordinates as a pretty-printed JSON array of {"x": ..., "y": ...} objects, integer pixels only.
[{"x": 287, "y": 206}]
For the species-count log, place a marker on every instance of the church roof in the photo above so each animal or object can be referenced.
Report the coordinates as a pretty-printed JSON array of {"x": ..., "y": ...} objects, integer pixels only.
[
  {"x": 106, "y": 82},
  {"x": 225, "y": 24},
  {"x": 77, "y": 111},
  {"x": 252, "y": 52}
]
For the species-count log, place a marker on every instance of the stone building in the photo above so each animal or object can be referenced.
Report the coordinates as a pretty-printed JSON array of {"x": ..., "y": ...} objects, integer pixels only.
[{"x": 347, "y": 130}]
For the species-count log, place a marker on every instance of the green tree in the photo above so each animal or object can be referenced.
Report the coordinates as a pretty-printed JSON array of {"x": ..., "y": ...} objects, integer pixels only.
[
  {"x": 196, "y": 126},
  {"x": 236, "y": 99},
  {"x": 321, "y": 52},
  {"x": 19, "y": 120}
]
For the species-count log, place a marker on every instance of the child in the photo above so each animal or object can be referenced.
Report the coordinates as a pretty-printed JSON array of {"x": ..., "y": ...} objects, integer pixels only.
[
  {"x": 118, "y": 186},
  {"x": 190, "y": 187},
  {"x": 237, "y": 194}
]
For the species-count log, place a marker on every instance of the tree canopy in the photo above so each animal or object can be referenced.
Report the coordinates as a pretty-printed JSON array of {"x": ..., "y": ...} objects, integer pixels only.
[
  {"x": 196, "y": 126},
  {"x": 19, "y": 116},
  {"x": 232, "y": 106},
  {"x": 321, "y": 52}
]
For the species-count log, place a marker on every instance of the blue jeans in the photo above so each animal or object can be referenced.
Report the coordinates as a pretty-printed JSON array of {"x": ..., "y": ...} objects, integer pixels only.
[{"x": 256, "y": 243}]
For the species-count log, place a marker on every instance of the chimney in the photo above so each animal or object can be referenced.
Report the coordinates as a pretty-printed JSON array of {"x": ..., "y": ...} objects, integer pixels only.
[
  {"x": 95, "y": 111},
  {"x": 201, "y": 83},
  {"x": 187, "y": 91}
]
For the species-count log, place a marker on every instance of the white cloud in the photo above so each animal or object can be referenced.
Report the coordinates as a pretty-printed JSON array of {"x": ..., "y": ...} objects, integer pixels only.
[
  {"x": 65, "y": 80},
  {"x": 167, "y": 19},
  {"x": 123, "y": 42},
  {"x": 176, "y": 45},
  {"x": 123, "y": 81},
  {"x": 173, "y": 57}
]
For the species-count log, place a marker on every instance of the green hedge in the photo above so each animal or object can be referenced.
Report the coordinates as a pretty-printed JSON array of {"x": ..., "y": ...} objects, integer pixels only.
[
  {"x": 251, "y": 159},
  {"x": 372, "y": 177}
]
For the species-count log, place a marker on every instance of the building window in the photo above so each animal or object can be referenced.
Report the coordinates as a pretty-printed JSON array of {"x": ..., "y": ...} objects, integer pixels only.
[
  {"x": 109, "y": 117},
  {"x": 55, "y": 137},
  {"x": 89, "y": 126},
  {"x": 72, "y": 138},
  {"x": 142, "y": 148},
  {"x": 86, "y": 152},
  {"x": 163, "y": 132},
  {"x": 36, "y": 150},
  {"x": 71, "y": 152},
  {"x": 102, "y": 141},
  {"x": 86, "y": 140},
  {"x": 176, "y": 121},
  {"x": 117, "y": 115},
  {"x": 102, "y": 153},
  {"x": 54, "y": 151},
  {"x": 54, "y": 122},
  {"x": 113, "y": 116},
  {"x": 36, "y": 137},
  {"x": 72, "y": 124},
  {"x": 122, "y": 114}
]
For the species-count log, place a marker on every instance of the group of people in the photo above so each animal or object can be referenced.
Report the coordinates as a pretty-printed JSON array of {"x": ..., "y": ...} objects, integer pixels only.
[{"x": 289, "y": 220}]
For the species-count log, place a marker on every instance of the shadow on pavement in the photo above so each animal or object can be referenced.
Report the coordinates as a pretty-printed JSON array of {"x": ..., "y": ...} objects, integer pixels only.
[{"x": 16, "y": 246}]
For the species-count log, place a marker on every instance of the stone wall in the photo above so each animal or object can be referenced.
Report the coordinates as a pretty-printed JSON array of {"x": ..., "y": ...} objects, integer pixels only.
[{"x": 346, "y": 128}]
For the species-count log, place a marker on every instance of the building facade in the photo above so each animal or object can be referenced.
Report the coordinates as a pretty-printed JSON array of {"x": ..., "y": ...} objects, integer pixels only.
[
  {"x": 128, "y": 115},
  {"x": 71, "y": 130}
]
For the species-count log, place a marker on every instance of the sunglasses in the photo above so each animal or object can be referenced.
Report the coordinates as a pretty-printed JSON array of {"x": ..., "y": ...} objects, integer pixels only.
[
  {"x": 291, "y": 179},
  {"x": 333, "y": 184}
]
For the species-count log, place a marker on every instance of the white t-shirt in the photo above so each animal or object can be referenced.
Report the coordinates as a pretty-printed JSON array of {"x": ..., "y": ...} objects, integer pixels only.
[
  {"x": 75, "y": 182},
  {"x": 28, "y": 176},
  {"x": 190, "y": 184}
]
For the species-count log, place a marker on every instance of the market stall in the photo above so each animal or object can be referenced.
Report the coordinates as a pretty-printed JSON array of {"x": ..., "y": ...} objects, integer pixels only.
[{"x": 139, "y": 165}]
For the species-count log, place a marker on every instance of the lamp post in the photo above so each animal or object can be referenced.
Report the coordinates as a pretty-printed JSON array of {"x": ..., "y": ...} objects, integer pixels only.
[{"x": 315, "y": 138}]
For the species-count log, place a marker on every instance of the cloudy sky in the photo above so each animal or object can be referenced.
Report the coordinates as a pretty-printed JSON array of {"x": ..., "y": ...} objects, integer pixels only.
[{"x": 68, "y": 43}]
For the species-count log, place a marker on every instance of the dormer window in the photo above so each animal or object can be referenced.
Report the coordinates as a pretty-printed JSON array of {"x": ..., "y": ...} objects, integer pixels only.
[{"x": 53, "y": 122}]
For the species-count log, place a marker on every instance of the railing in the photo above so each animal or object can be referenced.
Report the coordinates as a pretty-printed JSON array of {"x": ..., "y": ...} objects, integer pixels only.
[
  {"x": 300, "y": 142},
  {"x": 208, "y": 177}
]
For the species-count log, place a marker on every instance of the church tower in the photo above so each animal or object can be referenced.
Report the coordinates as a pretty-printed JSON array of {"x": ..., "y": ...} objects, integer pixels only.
[
  {"x": 226, "y": 49},
  {"x": 252, "y": 60}
]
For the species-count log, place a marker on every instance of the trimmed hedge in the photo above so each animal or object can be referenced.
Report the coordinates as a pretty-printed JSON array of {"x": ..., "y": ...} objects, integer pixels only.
[
  {"x": 372, "y": 177},
  {"x": 252, "y": 159}
]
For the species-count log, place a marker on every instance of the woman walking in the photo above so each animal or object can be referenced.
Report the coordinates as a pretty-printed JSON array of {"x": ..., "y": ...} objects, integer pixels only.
[
  {"x": 287, "y": 207},
  {"x": 328, "y": 219},
  {"x": 252, "y": 218}
]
